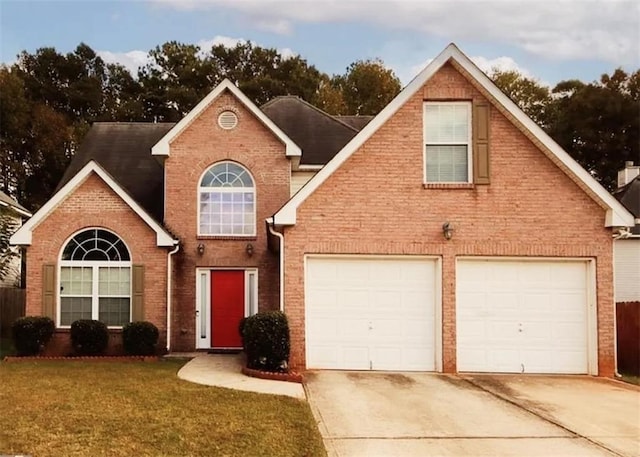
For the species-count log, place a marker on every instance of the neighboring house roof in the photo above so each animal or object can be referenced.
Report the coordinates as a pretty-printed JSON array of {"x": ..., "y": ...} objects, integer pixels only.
[
  {"x": 357, "y": 122},
  {"x": 162, "y": 147},
  {"x": 629, "y": 196},
  {"x": 24, "y": 234},
  {"x": 319, "y": 135},
  {"x": 123, "y": 149},
  {"x": 616, "y": 214},
  {"x": 9, "y": 202}
]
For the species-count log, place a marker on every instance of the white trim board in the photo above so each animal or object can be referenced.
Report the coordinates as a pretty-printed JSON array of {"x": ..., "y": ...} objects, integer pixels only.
[
  {"x": 616, "y": 214},
  {"x": 162, "y": 147},
  {"x": 24, "y": 235}
]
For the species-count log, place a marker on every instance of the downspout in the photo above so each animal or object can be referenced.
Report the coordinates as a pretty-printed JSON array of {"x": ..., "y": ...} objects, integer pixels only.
[
  {"x": 177, "y": 248},
  {"x": 280, "y": 236}
]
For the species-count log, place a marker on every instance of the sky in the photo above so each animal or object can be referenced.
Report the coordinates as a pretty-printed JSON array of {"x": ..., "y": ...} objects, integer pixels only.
[{"x": 548, "y": 40}]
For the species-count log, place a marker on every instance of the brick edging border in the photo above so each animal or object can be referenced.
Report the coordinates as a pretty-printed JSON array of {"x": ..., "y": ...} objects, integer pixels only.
[
  {"x": 96, "y": 358},
  {"x": 291, "y": 376}
]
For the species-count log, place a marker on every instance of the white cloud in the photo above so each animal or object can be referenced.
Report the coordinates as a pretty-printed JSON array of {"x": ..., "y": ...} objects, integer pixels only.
[
  {"x": 131, "y": 60},
  {"x": 607, "y": 30}
]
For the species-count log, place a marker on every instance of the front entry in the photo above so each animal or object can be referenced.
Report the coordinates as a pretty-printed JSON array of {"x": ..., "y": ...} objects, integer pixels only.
[
  {"x": 224, "y": 297},
  {"x": 227, "y": 308}
]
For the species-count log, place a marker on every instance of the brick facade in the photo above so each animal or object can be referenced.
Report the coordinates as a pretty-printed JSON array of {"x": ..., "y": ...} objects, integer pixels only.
[
  {"x": 93, "y": 204},
  {"x": 198, "y": 147},
  {"x": 376, "y": 203}
]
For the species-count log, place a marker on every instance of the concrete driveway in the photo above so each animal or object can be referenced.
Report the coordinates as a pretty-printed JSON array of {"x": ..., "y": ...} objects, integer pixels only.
[{"x": 418, "y": 414}]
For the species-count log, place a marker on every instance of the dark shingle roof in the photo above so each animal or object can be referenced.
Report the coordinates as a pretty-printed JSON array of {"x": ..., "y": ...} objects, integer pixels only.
[
  {"x": 123, "y": 149},
  {"x": 319, "y": 135},
  {"x": 357, "y": 122},
  {"x": 629, "y": 196}
]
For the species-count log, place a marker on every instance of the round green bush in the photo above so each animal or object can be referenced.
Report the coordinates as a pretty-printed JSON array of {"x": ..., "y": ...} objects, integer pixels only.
[
  {"x": 31, "y": 334},
  {"x": 267, "y": 341},
  {"x": 140, "y": 338},
  {"x": 89, "y": 337}
]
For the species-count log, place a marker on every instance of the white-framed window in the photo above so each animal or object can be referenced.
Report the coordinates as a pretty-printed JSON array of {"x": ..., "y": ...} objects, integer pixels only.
[
  {"x": 227, "y": 201},
  {"x": 95, "y": 279},
  {"x": 447, "y": 137}
]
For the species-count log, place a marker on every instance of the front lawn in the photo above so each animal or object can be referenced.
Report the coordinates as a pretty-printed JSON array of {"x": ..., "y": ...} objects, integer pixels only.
[{"x": 143, "y": 409}]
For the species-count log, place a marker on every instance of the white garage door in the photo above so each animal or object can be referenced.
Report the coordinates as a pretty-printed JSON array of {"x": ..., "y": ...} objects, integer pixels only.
[
  {"x": 370, "y": 313},
  {"x": 522, "y": 316}
]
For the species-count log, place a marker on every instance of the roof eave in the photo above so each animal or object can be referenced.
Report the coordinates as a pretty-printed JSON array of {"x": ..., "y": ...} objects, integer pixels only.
[{"x": 24, "y": 235}]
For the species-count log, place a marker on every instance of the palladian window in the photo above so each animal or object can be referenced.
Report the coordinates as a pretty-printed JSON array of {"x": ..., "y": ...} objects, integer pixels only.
[
  {"x": 227, "y": 201},
  {"x": 95, "y": 279}
]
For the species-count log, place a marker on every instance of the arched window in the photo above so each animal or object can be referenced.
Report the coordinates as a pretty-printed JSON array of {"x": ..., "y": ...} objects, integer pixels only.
[
  {"x": 95, "y": 279},
  {"x": 227, "y": 205}
]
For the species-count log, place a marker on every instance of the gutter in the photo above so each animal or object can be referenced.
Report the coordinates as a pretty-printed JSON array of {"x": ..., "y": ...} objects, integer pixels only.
[
  {"x": 171, "y": 253},
  {"x": 280, "y": 236}
]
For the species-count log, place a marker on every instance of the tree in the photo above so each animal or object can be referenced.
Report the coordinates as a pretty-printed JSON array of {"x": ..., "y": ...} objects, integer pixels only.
[
  {"x": 598, "y": 124},
  {"x": 9, "y": 223},
  {"x": 532, "y": 97},
  {"x": 367, "y": 87}
]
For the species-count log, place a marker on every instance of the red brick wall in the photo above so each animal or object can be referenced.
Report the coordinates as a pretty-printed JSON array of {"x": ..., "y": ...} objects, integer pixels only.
[
  {"x": 376, "y": 204},
  {"x": 94, "y": 204},
  {"x": 200, "y": 145}
]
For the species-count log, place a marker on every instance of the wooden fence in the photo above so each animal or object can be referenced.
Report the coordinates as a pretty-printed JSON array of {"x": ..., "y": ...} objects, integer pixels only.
[
  {"x": 628, "y": 323},
  {"x": 12, "y": 303}
]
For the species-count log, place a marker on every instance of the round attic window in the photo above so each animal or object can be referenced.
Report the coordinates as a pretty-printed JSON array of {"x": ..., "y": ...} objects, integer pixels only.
[{"x": 227, "y": 120}]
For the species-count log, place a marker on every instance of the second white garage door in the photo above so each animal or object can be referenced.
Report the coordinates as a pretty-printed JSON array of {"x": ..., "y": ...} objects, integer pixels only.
[
  {"x": 370, "y": 313},
  {"x": 522, "y": 316}
]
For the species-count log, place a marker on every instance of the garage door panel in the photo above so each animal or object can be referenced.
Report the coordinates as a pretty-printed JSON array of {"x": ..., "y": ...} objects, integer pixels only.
[
  {"x": 534, "y": 318},
  {"x": 383, "y": 311}
]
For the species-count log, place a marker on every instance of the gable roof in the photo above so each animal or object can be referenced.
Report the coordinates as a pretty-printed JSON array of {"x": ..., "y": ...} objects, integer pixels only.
[
  {"x": 162, "y": 147},
  {"x": 616, "y": 214},
  {"x": 24, "y": 234},
  {"x": 123, "y": 150},
  {"x": 319, "y": 135},
  {"x": 9, "y": 202}
]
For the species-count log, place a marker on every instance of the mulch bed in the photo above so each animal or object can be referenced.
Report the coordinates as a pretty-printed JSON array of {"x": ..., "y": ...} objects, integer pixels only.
[
  {"x": 290, "y": 376},
  {"x": 97, "y": 358}
]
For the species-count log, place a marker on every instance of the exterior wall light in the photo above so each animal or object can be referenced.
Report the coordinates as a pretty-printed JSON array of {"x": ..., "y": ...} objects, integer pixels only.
[
  {"x": 201, "y": 249},
  {"x": 447, "y": 230},
  {"x": 249, "y": 249}
]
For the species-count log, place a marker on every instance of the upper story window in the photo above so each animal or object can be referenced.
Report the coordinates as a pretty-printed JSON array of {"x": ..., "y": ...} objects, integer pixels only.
[
  {"x": 227, "y": 205},
  {"x": 95, "y": 279},
  {"x": 447, "y": 136}
]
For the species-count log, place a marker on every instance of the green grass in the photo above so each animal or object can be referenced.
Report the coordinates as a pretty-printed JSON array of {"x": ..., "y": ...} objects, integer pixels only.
[{"x": 143, "y": 409}]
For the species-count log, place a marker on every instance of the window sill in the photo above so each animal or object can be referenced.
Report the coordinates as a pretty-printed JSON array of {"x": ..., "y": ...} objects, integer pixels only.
[
  {"x": 227, "y": 237},
  {"x": 439, "y": 185}
]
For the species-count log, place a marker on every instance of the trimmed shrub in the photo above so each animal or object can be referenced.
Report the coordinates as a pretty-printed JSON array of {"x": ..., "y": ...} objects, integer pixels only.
[
  {"x": 89, "y": 337},
  {"x": 241, "y": 325},
  {"x": 266, "y": 341},
  {"x": 31, "y": 334},
  {"x": 140, "y": 338}
]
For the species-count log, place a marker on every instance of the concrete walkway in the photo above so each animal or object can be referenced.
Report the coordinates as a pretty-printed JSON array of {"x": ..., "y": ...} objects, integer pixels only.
[{"x": 224, "y": 370}]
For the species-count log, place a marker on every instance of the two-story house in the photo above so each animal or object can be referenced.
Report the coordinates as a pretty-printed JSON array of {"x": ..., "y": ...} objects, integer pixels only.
[{"x": 448, "y": 233}]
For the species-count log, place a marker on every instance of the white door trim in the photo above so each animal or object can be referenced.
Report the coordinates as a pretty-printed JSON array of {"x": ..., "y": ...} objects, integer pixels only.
[
  {"x": 202, "y": 318},
  {"x": 437, "y": 293},
  {"x": 592, "y": 307}
]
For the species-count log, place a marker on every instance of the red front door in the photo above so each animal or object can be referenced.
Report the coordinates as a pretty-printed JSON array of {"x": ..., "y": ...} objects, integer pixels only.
[{"x": 227, "y": 308}]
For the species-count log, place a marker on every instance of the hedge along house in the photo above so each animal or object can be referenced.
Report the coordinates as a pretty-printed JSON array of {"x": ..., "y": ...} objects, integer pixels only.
[{"x": 449, "y": 233}]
